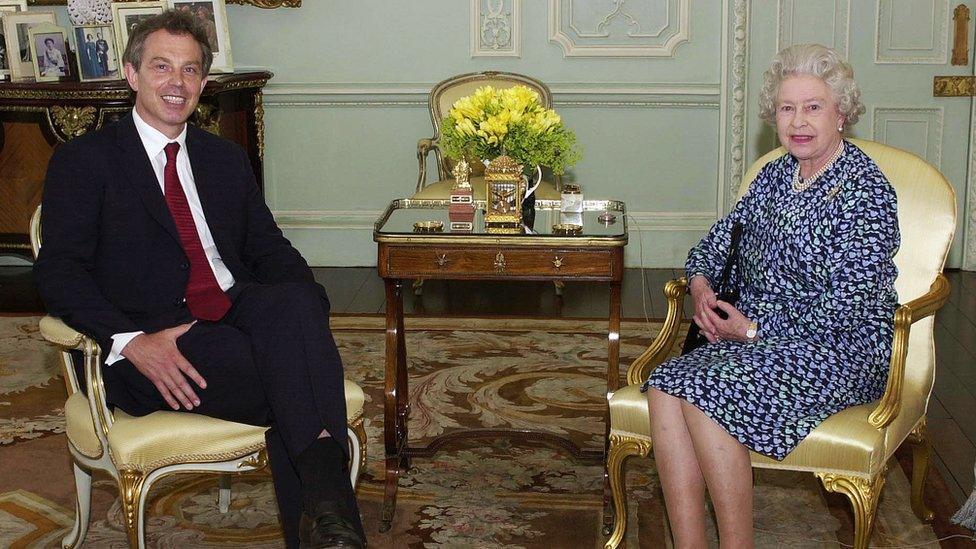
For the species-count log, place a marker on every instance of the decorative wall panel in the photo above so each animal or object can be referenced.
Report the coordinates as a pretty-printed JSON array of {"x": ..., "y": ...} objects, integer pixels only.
[
  {"x": 496, "y": 28},
  {"x": 803, "y": 21},
  {"x": 912, "y": 32},
  {"x": 619, "y": 28},
  {"x": 918, "y": 130}
]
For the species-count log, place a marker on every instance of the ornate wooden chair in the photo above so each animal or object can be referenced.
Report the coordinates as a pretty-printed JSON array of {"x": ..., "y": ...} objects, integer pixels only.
[
  {"x": 138, "y": 451},
  {"x": 849, "y": 452},
  {"x": 439, "y": 102}
]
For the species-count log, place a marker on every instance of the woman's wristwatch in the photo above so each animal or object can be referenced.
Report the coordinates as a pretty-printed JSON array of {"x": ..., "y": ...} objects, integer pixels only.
[{"x": 752, "y": 331}]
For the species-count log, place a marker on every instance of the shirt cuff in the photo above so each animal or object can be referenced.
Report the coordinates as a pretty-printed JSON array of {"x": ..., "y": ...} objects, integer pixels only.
[{"x": 119, "y": 341}]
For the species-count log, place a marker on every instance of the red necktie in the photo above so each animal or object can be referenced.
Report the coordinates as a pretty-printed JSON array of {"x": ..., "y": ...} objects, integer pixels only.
[{"x": 204, "y": 297}]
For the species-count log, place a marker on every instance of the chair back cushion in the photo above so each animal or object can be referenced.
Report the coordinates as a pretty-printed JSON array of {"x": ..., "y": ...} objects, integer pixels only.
[{"x": 443, "y": 96}]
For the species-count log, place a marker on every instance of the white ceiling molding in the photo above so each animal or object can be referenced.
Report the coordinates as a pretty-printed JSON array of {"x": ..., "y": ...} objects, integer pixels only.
[{"x": 585, "y": 28}]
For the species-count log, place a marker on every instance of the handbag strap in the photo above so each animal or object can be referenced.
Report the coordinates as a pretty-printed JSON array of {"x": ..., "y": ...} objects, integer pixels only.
[{"x": 731, "y": 259}]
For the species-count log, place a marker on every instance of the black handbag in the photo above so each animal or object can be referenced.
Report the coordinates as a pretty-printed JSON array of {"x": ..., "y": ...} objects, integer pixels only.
[{"x": 723, "y": 291}]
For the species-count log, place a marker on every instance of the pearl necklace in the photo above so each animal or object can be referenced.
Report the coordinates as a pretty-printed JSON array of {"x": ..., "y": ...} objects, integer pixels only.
[{"x": 800, "y": 184}]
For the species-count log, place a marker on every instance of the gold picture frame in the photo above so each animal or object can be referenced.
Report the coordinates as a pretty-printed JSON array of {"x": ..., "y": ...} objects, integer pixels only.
[
  {"x": 15, "y": 30},
  {"x": 8, "y": 6},
  {"x": 49, "y": 50},
  {"x": 125, "y": 15},
  {"x": 213, "y": 16},
  {"x": 98, "y": 58}
]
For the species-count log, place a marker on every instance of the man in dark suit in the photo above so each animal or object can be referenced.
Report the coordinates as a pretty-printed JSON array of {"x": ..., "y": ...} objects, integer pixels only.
[{"x": 158, "y": 244}]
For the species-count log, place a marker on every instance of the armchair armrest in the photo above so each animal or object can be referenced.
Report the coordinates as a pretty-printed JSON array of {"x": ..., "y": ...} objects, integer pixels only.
[
  {"x": 424, "y": 146},
  {"x": 66, "y": 337},
  {"x": 659, "y": 349},
  {"x": 906, "y": 315}
]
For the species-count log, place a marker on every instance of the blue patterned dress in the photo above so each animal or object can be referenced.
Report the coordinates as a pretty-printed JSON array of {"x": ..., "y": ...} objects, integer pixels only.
[{"x": 815, "y": 271}]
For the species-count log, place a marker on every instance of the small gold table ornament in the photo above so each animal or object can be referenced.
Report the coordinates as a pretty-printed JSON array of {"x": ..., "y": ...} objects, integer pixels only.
[
  {"x": 607, "y": 218},
  {"x": 461, "y": 209},
  {"x": 504, "y": 190},
  {"x": 428, "y": 226},
  {"x": 462, "y": 173},
  {"x": 567, "y": 229}
]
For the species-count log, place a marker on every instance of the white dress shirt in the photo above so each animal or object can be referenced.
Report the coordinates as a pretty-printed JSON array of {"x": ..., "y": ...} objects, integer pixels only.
[{"x": 154, "y": 142}]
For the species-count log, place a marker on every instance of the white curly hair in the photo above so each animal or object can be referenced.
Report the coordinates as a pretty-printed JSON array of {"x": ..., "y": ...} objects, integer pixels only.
[{"x": 814, "y": 60}]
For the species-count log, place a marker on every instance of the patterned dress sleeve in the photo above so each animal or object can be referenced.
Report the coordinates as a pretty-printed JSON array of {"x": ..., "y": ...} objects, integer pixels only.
[
  {"x": 861, "y": 267},
  {"x": 708, "y": 257}
]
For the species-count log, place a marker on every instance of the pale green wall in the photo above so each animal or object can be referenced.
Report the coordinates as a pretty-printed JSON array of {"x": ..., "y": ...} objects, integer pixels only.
[
  {"x": 348, "y": 103},
  {"x": 670, "y": 135}
]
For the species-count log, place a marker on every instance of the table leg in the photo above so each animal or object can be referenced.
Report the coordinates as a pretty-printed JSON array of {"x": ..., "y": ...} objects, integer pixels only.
[
  {"x": 613, "y": 383},
  {"x": 395, "y": 404}
]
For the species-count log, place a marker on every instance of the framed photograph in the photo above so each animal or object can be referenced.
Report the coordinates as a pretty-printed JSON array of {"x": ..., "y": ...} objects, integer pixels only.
[
  {"x": 213, "y": 16},
  {"x": 15, "y": 28},
  {"x": 7, "y": 6},
  {"x": 126, "y": 15},
  {"x": 97, "y": 56},
  {"x": 49, "y": 49}
]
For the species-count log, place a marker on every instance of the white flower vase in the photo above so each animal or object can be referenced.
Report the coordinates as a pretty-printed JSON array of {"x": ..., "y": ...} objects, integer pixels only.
[{"x": 89, "y": 12}]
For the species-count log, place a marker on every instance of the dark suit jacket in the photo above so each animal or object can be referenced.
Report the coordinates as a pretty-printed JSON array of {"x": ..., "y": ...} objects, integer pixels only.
[{"x": 111, "y": 259}]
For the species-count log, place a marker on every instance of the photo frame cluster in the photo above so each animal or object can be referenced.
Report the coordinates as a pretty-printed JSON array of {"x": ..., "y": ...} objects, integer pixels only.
[{"x": 33, "y": 46}]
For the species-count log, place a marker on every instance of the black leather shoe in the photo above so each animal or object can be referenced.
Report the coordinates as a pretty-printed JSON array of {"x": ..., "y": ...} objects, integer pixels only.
[{"x": 326, "y": 525}]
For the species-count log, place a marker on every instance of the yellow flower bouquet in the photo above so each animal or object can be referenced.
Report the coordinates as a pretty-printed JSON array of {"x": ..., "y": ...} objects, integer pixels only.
[{"x": 491, "y": 122}]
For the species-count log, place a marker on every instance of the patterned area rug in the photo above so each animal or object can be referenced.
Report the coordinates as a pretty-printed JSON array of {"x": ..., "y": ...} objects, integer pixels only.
[{"x": 465, "y": 373}]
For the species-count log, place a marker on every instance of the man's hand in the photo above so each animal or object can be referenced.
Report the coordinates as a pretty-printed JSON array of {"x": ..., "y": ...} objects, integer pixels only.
[{"x": 157, "y": 357}]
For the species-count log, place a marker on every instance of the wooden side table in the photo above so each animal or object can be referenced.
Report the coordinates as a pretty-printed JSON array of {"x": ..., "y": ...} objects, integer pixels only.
[
  {"x": 38, "y": 116},
  {"x": 595, "y": 255}
]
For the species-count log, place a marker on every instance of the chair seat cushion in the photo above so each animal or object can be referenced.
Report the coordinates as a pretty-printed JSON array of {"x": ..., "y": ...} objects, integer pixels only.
[
  {"x": 441, "y": 190},
  {"x": 164, "y": 438},
  {"x": 844, "y": 443}
]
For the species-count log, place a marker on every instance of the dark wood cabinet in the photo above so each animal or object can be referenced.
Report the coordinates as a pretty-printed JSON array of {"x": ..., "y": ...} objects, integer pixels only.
[{"x": 37, "y": 117}]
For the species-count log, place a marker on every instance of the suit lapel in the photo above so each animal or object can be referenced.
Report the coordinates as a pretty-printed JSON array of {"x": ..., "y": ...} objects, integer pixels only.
[{"x": 140, "y": 175}]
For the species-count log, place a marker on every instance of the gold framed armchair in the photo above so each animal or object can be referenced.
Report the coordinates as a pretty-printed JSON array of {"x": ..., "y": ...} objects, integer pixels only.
[
  {"x": 442, "y": 96},
  {"x": 138, "y": 451},
  {"x": 850, "y": 451}
]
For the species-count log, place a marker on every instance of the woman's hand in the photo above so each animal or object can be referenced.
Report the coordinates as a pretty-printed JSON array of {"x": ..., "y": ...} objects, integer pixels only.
[
  {"x": 703, "y": 299},
  {"x": 732, "y": 328}
]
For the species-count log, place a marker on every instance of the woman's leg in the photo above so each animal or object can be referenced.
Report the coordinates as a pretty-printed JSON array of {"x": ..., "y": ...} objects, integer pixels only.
[
  {"x": 677, "y": 465},
  {"x": 725, "y": 464}
]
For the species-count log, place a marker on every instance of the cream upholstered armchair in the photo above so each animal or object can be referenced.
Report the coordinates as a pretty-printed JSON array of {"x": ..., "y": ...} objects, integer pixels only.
[
  {"x": 849, "y": 452},
  {"x": 138, "y": 451},
  {"x": 439, "y": 102}
]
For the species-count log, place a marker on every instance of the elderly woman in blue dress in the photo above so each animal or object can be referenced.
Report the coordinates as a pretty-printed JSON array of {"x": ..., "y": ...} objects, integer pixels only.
[{"x": 811, "y": 332}]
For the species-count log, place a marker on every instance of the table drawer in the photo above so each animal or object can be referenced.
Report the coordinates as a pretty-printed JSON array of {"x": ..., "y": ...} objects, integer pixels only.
[{"x": 541, "y": 263}]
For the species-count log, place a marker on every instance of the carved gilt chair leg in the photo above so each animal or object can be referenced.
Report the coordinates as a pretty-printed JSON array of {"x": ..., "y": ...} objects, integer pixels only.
[
  {"x": 131, "y": 485},
  {"x": 357, "y": 450},
  {"x": 223, "y": 493},
  {"x": 621, "y": 447},
  {"x": 921, "y": 450},
  {"x": 76, "y": 536},
  {"x": 863, "y": 495},
  {"x": 418, "y": 286},
  {"x": 559, "y": 284}
]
